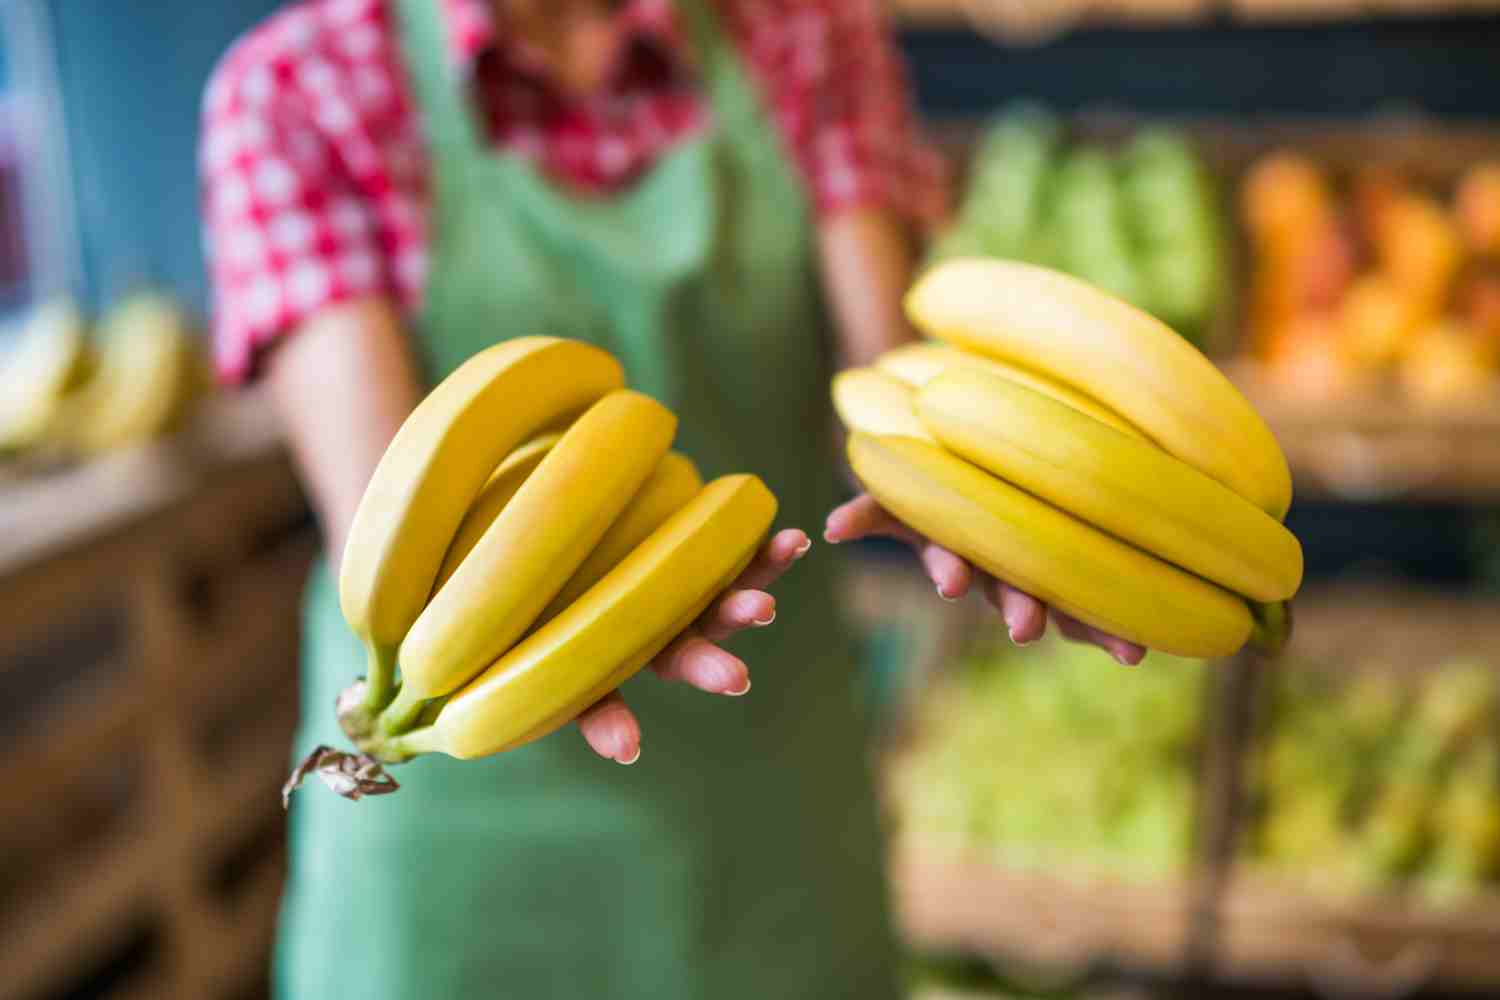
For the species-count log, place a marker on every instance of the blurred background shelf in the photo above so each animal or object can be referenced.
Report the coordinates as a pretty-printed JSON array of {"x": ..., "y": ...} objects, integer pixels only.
[
  {"x": 1400, "y": 921},
  {"x": 1024, "y": 21}
]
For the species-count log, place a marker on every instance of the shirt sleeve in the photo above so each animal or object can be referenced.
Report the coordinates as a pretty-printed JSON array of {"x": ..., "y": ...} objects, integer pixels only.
[
  {"x": 838, "y": 91},
  {"x": 286, "y": 231}
]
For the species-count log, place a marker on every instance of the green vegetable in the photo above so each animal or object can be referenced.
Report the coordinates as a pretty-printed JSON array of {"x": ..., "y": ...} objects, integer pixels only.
[
  {"x": 1089, "y": 218},
  {"x": 1174, "y": 219}
]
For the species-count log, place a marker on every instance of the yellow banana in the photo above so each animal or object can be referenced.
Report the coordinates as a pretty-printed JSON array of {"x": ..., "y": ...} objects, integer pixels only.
[
  {"x": 1049, "y": 554},
  {"x": 1134, "y": 364},
  {"x": 502, "y": 485},
  {"x": 537, "y": 542},
  {"x": 871, "y": 401},
  {"x": 610, "y": 632},
  {"x": 139, "y": 388},
  {"x": 671, "y": 487},
  {"x": 49, "y": 349},
  {"x": 918, "y": 364},
  {"x": 434, "y": 468},
  {"x": 1124, "y": 486}
]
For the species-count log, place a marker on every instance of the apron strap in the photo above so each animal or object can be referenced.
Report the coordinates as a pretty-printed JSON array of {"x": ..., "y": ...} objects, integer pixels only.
[
  {"x": 721, "y": 67},
  {"x": 442, "y": 98}
]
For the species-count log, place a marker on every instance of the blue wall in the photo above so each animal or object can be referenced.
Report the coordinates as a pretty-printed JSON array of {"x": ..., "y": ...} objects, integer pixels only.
[{"x": 132, "y": 74}]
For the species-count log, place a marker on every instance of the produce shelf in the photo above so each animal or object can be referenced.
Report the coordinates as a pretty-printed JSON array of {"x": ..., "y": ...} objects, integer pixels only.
[
  {"x": 1023, "y": 21},
  {"x": 949, "y": 901},
  {"x": 1227, "y": 917},
  {"x": 1282, "y": 925},
  {"x": 1362, "y": 445}
]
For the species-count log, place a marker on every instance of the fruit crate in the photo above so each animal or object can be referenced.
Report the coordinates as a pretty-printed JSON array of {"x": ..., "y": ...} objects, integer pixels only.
[
  {"x": 1362, "y": 446},
  {"x": 148, "y": 663},
  {"x": 1229, "y": 919},
  {"x": 953, "y": 896},
  {"x": 1286, "y": 926}
]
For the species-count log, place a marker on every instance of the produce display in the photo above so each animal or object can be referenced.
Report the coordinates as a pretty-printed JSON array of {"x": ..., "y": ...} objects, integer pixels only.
[
  {"x": 1141, "y": 223},
  {"x": 1027, "y": 756},
  {"x": 1076, "y": 447},
  {"x": 1374, "y": 282},
  {"x": 526, "y": 544},
  {"x": 67, "y": 393},
  {"x": 1376, "y": 780}
]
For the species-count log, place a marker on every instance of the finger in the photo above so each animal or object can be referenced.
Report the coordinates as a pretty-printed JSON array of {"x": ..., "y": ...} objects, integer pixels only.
[
  {"x": 1127, "y": 653},
  {"x": 611, "y": 730},
  {"x": 862, "y": 517},
  {"x": 949, "y": 573},
  {"x": 695, "y": 661},
  {"x": 773, "y": 559},
  {"x": 1025, "y": 617},
  {"x": 737, "y": 609}
]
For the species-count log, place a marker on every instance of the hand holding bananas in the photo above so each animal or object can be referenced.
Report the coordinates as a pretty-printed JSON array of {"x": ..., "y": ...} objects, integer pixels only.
[
  {"x": 1079, "y": 450},
  {"x": 527, "y": 543}
]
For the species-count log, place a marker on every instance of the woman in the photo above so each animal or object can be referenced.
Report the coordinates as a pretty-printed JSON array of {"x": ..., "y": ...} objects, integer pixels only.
[{"x": 390, "y": 186}]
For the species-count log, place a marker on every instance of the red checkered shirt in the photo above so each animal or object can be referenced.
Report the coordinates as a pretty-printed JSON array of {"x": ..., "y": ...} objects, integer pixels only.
[{"x": 314, "y": 168}]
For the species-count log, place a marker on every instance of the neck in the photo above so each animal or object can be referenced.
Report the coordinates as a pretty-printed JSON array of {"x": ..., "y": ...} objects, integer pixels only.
[{"x": 574, "y": 36}]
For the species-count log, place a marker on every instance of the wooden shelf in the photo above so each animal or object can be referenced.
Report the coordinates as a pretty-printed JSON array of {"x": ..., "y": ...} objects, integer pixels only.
[
  {"x": 52, "y": 509},
  {"x": 947, "y": 901},
  {"x": 1378, "y": 447},
  {"x": 1029, "y": 21}
]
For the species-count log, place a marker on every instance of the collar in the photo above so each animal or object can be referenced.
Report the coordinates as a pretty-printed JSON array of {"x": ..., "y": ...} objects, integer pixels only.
[{"x": 472, "y": 30}]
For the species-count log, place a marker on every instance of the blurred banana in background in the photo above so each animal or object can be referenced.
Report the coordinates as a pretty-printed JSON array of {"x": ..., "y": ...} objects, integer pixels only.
[
  {"x": 50, "y": 356},
  {"x": 65, "y": 395}
]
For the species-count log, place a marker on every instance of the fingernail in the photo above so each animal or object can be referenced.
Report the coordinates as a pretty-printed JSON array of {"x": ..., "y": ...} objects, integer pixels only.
[
  {"x": 827, "y": 537},
  {"x": 741, "y": 692},
  {"x": 802, "y": 549},
  {"x": 1123, "y": 660},
  {"x": 950, "y": 600},
  {"x": 1018, "y": 642},
  {"x": 763, "y": 622},
  {"x": 632, "y": 760}
]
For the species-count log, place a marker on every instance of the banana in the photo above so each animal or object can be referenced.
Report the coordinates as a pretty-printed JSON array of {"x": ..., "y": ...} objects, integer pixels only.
[
  {"x": 50, "y": 347},
  {"x": 538, "y": 541},
  {"x": 1124, "y": 486},
  {"x": 610, "y": 632},
  {"x": 502, "y": 485},
  {"x": 671, "y": 487},
  {"x": 138, "y": 390},
  {"x": 437, "y": 464},
  {"x": 918, "y": 364},
  {"x": 1125, "y": 359},
  {"x": 871, "y": 401},
  {"x": 1049, "y": 554}
]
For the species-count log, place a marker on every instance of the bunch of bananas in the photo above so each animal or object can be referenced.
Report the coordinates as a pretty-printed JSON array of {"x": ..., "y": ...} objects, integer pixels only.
[
  {"x": 526, "y": 544},
  {"x": 63, "y": 397},
  {"x": 1074, "y": 446}
]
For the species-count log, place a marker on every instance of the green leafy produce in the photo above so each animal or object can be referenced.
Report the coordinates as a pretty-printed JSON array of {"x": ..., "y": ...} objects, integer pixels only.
[
  {"x": 1143, "y": 225},
  {"x": 1089, "y": 217},
  {"x": 1370, "y": 780},
  {"x": 1055, "y": 756},
  {"x": 1174, "y": 214}
]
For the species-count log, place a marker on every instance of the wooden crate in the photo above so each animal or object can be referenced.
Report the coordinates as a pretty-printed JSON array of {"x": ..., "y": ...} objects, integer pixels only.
[
  {"x": 148, "y": 659},
  {"x": 1271, "y": 927}
]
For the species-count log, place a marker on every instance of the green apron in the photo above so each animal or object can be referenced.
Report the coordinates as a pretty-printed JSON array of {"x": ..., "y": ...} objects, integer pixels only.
[{"x": 739, "y": 857}]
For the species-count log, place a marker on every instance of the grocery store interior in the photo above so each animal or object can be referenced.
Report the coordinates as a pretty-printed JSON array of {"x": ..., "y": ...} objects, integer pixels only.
[{"x": 1307, "y": 190}]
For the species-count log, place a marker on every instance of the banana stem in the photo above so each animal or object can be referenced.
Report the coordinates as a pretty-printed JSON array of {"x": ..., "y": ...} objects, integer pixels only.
[
  {"x": 402, "y": 713},
  {"x": 380, "y": 676},
  {"x": 415, "y": 742}
]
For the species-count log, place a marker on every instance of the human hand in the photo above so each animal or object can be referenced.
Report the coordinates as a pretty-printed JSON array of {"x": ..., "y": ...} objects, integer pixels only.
[
  {"x": 696, "y": 656},
  {"x": 1025, "y": 616}
]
